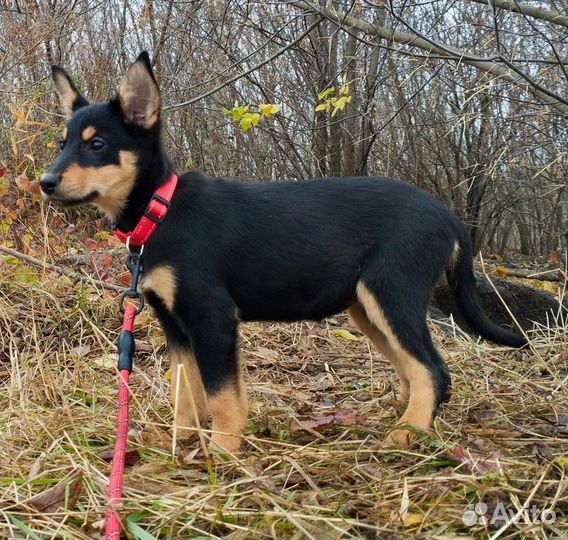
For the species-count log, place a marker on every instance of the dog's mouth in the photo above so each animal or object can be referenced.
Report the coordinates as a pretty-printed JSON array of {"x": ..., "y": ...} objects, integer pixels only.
[{"x": 73, "y": 201}]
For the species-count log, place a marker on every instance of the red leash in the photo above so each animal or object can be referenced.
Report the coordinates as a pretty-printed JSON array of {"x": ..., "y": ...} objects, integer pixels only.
[
  {"x": 125, "y": 356},
  {"x": 154, "y": 215}
]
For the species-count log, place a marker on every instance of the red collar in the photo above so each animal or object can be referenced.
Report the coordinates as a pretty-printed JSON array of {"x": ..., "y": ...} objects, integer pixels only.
[{"x": 153, "y": 215}]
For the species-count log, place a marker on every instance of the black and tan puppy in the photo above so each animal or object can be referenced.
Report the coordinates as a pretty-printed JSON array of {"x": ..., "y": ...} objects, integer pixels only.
[{"x": 230, "y": 251}]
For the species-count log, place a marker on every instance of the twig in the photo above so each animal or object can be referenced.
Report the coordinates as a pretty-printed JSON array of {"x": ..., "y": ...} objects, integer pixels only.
[
  {"x": 540, "y": 276},
  {"x": 278, "y": 53},
  {"x": 60, "y": 270}
]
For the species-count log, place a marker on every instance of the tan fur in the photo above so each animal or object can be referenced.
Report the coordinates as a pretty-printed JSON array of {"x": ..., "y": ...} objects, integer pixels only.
[
  {"x": 229, "y": 410},
  {"x": 67, "y": 95},
  {"x": 162, "y": 281},
  {"x": 380, "y": 341},
  {"x": 64, "y": 135},
  {"x": 455, "y": 255},
  {"x": 422, "y": 400},
  {"x": 113, "y": 183},
  {"x": 88, "y": 133},
  {"x": 137, "y": 84},
  {"x": 191, "y": 410}
]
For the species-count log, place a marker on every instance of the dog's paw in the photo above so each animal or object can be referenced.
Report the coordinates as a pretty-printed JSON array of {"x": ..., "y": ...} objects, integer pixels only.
[
  {"x": 400, "y": 438},
  {"x": 222, "y": 443}
]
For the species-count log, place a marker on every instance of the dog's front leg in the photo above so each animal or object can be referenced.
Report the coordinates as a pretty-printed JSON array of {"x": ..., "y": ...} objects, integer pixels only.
[{"x": 214, "y": 330}]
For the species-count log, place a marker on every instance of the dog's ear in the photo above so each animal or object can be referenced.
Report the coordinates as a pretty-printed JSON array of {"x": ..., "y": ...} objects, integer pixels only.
[
  {"x": 138, "y": 93},
  {"x": 69, "y": 97}
]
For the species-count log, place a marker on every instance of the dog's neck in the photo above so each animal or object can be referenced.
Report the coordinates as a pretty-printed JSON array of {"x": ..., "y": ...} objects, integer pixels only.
[{"x": 155, "y": 171}]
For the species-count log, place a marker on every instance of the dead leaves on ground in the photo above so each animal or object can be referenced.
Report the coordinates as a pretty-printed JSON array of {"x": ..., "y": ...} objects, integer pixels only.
[{"x": 341, "y": 417}]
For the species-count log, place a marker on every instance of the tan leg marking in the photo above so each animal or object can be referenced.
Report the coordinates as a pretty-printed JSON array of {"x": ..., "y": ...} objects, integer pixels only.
[
  {"x": 380, "y": 341},
  {"x": 191, "y": 409},
  {"x": 229, "y": 410},
  {"x": 422, "y": 403},
  {"x": 113, "y": 183},
  {"x": 88, "y": 133},
  {"x": 162, "y": 282},
  {"x": 64, "y": 135}
]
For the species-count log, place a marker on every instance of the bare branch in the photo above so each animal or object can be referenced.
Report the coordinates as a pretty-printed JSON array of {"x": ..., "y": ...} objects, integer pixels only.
[
  {"x": 422, "y": 42},
  {"x": 532, "y": 11}
]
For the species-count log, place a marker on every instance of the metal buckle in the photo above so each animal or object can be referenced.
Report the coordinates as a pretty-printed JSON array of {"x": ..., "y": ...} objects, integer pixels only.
[
  {"x": 128, "y": 247},
  {"x": 147, "y": 213}
]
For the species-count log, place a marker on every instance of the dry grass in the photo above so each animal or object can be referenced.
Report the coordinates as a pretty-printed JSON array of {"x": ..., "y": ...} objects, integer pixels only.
[{"x": 58, "y": 408}]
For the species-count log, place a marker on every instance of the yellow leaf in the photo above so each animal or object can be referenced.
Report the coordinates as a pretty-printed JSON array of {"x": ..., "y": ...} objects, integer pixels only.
[
  {"x": 246, "y": 122},
  {"x": 236, "y": 113},
  {"x": 326, "y": 93},
  {"x": 346, "y": 335},
  {"x": 344, "y": 90},
  {"x": 339, "y": 104},
  {"x": 323, "y": 107},
  {"x": 411, "y": 520},
  {"x": 269, "y": 109},
  {"x": 168, "y": 375},
  {"x": 249, "y": 120}
]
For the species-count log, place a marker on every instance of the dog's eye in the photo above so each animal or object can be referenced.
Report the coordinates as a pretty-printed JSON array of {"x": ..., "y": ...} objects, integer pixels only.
[
  {"x": 61, "y": 144},
  {"x": 97, "y": 144}
]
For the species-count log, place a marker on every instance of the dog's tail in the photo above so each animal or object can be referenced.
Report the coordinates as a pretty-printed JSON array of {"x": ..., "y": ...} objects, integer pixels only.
[{"x": 462, "y": 282}]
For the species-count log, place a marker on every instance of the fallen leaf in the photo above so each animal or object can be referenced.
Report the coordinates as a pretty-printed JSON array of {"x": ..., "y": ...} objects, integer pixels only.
[
  {"x": 346, "y": 335},
  {"x": 63, "y": 495},
  {"x": 80, "y": 351},
  {"x": 343, "y": 417},
  {"x": 90, "y": 244},
  {"x": 34, "y": 187},
  {"x": 474, "y": 462},
  {"x": 23, "y": 182},
  {"x": 542, "y": 453},
  {"x": 108, "y": 361},
  {"x": 131, "y": 457}
]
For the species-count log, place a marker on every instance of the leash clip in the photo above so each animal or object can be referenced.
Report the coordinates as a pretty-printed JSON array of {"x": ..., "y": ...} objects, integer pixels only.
[{"x": 134, "y": 265}]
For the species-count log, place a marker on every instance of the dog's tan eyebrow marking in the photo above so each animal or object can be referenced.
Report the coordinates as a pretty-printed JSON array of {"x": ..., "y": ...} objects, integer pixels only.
[
  {"x": 64, "y": 134},
  {"x": 88, "y": 133}
]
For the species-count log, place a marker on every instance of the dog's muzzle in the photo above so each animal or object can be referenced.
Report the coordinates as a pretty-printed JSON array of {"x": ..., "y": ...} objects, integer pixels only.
[{"x": 49, "y": 182}]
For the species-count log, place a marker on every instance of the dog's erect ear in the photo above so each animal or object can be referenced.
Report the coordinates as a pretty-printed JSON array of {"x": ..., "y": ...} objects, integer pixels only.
[
  {"x": 69, "y": 97},
  {"x": 138, "y": 93}
]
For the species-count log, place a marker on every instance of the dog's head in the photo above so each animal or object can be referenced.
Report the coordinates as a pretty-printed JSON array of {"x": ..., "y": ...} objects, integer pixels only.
[{"x": 104, "y": 145}]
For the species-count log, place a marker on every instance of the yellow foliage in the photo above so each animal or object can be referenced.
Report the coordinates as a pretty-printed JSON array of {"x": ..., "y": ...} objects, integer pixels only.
[
  {"x": 501, "y": 271},
  {"x": 345, "y": 334}
]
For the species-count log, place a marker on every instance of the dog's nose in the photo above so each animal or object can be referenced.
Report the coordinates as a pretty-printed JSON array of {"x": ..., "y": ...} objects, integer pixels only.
[{"x": 49, "y": 182}]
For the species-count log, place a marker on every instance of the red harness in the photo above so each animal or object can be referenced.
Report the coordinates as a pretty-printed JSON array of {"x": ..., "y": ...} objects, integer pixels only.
[{"x": 153, "y": 215}]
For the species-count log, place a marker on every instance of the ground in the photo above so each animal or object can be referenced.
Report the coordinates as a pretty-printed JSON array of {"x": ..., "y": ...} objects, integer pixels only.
[{"x": 313, "y": 465}]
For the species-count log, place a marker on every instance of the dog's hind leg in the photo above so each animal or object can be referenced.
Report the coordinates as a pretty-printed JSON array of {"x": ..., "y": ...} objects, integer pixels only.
[
  {"x": 401, "y": 318},
  {"x": 380, "y": 341}
]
